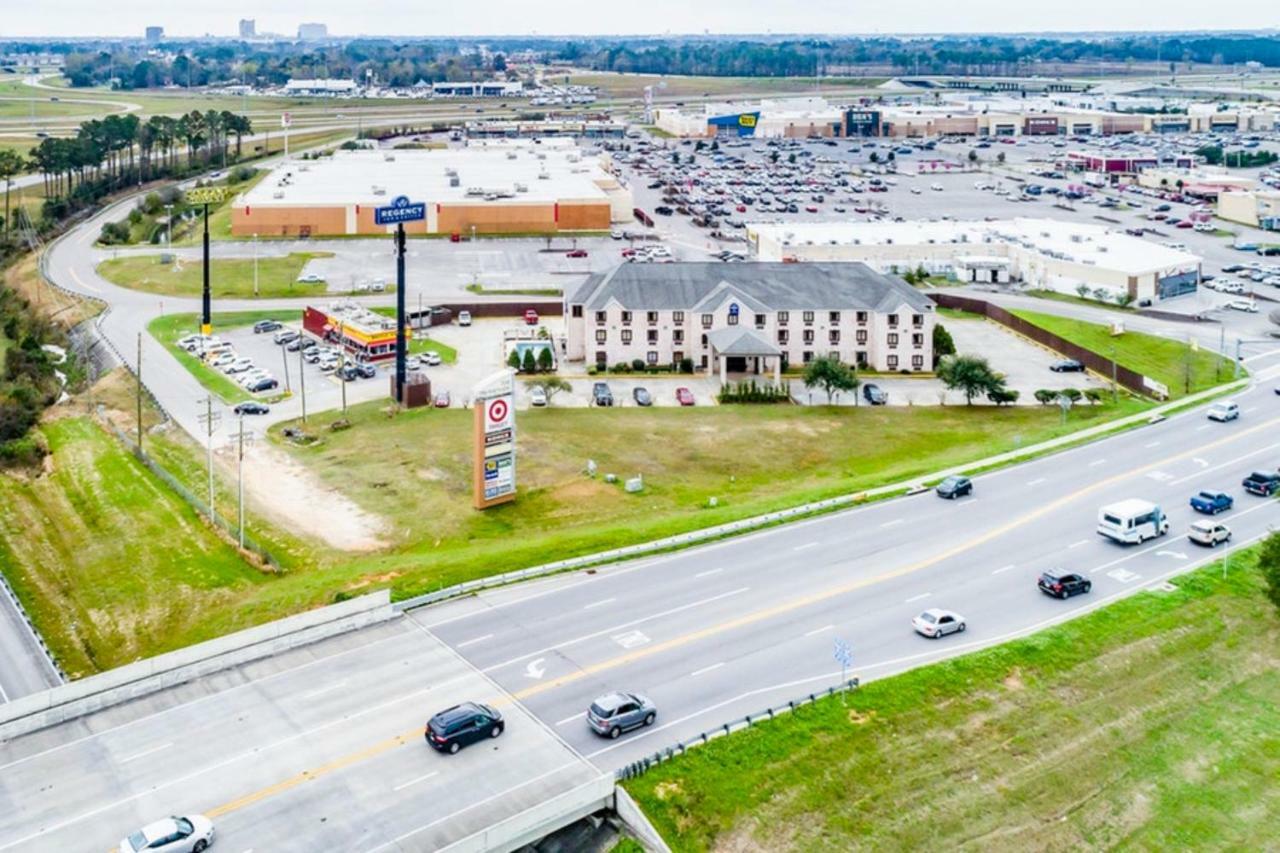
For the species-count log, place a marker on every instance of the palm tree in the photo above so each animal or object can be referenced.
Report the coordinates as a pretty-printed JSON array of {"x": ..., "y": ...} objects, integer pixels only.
[{"x": 11, "y": 164}]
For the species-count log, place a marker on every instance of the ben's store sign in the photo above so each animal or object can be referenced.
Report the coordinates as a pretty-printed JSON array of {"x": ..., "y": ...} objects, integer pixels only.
[
  {"x": 862, "y": 123},
  {"x": 1040, "y": 126},
  {"x": 738, "y": 124}
]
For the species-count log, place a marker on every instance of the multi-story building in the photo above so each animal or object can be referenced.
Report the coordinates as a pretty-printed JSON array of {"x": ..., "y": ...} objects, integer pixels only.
[
  {"x": 154, "y": 34},
  {"x": 749, "y": 318},
  {"x": 248, "y": 28},
  {"x": 313, "y": 32}
]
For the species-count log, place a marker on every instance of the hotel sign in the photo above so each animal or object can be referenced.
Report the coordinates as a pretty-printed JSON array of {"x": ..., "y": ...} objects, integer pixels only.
[{"x": 400, "y": 210}]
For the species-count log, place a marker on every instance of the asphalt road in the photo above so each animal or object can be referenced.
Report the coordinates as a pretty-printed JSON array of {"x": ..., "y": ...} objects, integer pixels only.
[{"x": 319, "y": 747}]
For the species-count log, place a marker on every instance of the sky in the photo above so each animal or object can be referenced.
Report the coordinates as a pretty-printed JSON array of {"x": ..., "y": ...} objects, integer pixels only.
[{"x": 594, "y": 17}]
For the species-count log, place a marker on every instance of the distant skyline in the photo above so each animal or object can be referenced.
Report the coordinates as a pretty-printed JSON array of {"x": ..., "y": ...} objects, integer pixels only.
[{"x": 72, "y": 18}]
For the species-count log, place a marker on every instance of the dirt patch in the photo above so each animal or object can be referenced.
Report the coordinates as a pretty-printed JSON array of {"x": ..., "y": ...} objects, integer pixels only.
[
  {"x": 371, "y": 579},
  {"x": 297, "y": 500},
  {"x": 1013, "y": 681},
  {"x": 663, "y": 790},
  {"x": 432, "y": 475},
  {"x": 860, "y": 719}
]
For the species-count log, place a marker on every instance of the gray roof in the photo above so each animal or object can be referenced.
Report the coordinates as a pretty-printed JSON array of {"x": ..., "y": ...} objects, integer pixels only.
[
  {"x": 739, "y": 340},
  {"x": 759, "y": 286}
]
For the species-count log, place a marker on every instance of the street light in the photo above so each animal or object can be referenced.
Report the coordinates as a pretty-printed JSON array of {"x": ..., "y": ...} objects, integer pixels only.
[
  {"x": 255, "y": 265},
  {"x": 168, "y": 226}
]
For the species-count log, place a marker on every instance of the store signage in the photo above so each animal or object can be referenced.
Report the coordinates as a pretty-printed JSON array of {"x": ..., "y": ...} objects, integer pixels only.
[
  {"x": 400, "y": 210},
  {"x": 494, "y": 459}
]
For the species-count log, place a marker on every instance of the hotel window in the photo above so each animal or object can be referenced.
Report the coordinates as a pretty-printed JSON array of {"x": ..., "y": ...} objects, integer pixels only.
[
  {"x": 651, "y": 356},
  {"x": 861, "y": 358},
  {"x": 653, "y": 336},
  {"x": 601, "y": 318},
  {"x": 833, "y": 336},
  {"x": 783, "y": 337},
  {"x": 602, "y": 357},
  {"x": 706, "y": 321},
  {"x": 704, "y": 341},
  {"x": 783, "y": 317},
  {"x": 733, "y": 319},
  {"x": 893, "y": 362},
  {"x": 601, "y": 336},
  {"x": 808, "y": 318},
  {"x": 626, "y": 318},
  {"x": 861, "y": 336},
  {"x": 861, "y": 316},
  {"x": 893, "y": 321},
  {"x": 577, "y": 311},
  {"x": 626, "y": 336},
  {"x": 759, "y": 321},
  {"x": 917, "y": 362},
  {"x": 808, "y": 336},
  {"x": 917, "y": 319},
  {"x": 677, "y": 318},
  {"x": 677, "y": 337},
  {"x": 833, "y": 316},
  {"x": 807, "y": 356},
  {"x": 917, "y": 340},
  {"x": 893, "y": 339},
  {"x": 834, "y": 355},
  {"x": 652, "y": 317}
]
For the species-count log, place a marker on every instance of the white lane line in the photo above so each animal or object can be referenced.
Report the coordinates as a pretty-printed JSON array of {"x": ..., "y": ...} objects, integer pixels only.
[
  {"x": 1002, "y": 569},
  {"x": 708, "y": 573},
  {"x": 1227, "y": 464},
  {"x": 806, "y": 545},
  {"x": 824, "y": 628},
  {"x": 404, "y": 785},
  {"x": 328, "y": 688},
  {"x": 1250, "y": 409},
  {"x": 566, "y": 720},
  {"x": 1037, "y": 481},
  {"x": 146, "y": 752},
  {"x": 1202, "y": 428},
  {"x": 1152, "y": 444},
  {"x": 473, "y": 641},
  {"x": 1078, "y": 544},
  {"x": 601, "y": 603},
  {"x": 706, "y": 669},
  {"x": 896, "y": 521},
  {"x": 1097, "y": 462},
  {"x": 919, "y": 597}
]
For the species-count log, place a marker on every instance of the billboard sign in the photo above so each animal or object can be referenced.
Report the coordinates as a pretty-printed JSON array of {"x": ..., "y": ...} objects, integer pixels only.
[
  {"x": 206, "y": 195},
  {"x": 400, "y": 210},
  {"x": 494, "y": 458}
]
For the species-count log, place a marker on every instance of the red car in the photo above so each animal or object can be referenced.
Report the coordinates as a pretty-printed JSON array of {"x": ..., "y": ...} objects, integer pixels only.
[
  {"x": 684, "y": 396},
  {"x": 530, "y": 317},
  {"x": 1186, "y": 223},
  {"x": 455, "y": 237},
  {"x": 443, "y": 400},
  {"x": 627, "y": 253},
  {"x": 576, "y": 253}
]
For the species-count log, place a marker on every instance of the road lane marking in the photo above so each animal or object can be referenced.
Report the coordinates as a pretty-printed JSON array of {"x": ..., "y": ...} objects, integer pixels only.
[
  {"x": 708, "y": 573},
  {"x": 326, "y": 689},
  {"x": 1202, "y": 428},
  {"x": 473, "y": 641},
  {"x": 1226, "y": 464},
  {"x": 893, "y": 523},
  {"x": 1250, "y": 409},
  {"x": 806, "y": 545},
  {"x": 706, "y": 669},
  {"x": 146, "y": 752},
  {"x": 1002, "y": 569},
  {"x": 404, "y": 785},
  {"x": 1097, "y": 462},
  {"x": 919, "y": 597},
  {"x": 601, "y": 603},
  {"x": 820, "y": 630},
  {"x": 1078, "y": 544},
  {"x": 567, "y": 720},
  {"x": 1037, "y": 481},
  {"x": 1151, "y": 444}
]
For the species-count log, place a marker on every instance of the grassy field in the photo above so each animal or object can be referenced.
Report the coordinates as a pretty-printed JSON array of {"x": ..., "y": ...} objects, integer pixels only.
[
  {"x": 1168, "y": 361},
  {"x": 633, "y": 84},
  {"x": 515, "y": 291},
  {"x": 228, "y": 277},
  {"x": 109, "y": 563},
  {"x": 169, "y": 328},
  {"x": 1153, "y": 724}
]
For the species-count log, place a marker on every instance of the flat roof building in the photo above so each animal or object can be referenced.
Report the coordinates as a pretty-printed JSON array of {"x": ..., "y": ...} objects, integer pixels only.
[
  {"x": 320, "y": 86},
  {"x": 755, "y": 318},
  {"x": 1256, "y": 208},
  {"x": 495, "y": 187},
  {"x": 367, "y": 336},
  {"x": 1043, "y": 253}
]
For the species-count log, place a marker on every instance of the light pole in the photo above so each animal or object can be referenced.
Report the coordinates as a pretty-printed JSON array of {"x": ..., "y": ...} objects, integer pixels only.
[
  {"x": 255, "y": 265},
  {"x": 342, "y": 374},
  {"x": 168, "y": 227}
]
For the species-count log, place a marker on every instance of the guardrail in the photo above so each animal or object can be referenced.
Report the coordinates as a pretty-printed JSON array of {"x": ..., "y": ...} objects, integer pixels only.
[
  {"x": 16, "y": 602},
  {"x": 641, "y": 766}
]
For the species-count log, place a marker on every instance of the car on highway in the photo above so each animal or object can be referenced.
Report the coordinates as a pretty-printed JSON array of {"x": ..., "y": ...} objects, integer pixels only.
[
  {"x": 443, "y": 400},
  {"x": 251, "y": 407},
  {"x": 936, "y": 187},
  {"x": 874, "y": 394},
  {"x": 1067, "y": 365},
  {"x": 934, "y": 623},
  {"x": 614, "y": 713},
  {"x": 431, "y": 358},
  {"x": 601, "y": 395},
  {"x": 1210, "y": 533},
  {"x": 1063, "y": 584},
  {"x": 954, "y": 487},
  {"x": 1262, "y": 483},
  {"x": 461, "y": 725},
  {"x": 642, "y": 396},
  {"x": 190, "y": 834},
  {"x": 684, "y": 396},
  {"x": 1224, "y": 411},
  {"x": 1211, "y": 503}
]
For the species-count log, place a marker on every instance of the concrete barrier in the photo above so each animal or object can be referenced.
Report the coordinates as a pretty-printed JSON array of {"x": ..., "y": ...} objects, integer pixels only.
[
  {"x": 120, "y": 685},
  {"x": 543, "y": 819},
  {"x": 637, "y": 823}
]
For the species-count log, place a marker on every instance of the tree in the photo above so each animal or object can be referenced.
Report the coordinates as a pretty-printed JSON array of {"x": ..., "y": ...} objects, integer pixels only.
[
  {"x": 550, "y": 385},
  {"x": 1269, "y": 564},
  {"x": 1002, "y": 396},
  {"x": 513, "y": 360},
  {"x": 11, "y": 164},
  {"x": 831, "y": 376},
  {"x": 1124, "y": 299},
  {"x": 1046, "y": 396},
  {"x": 943, "y": 344},
  {"x": 973, "y": 156},
  {"x": 1000, "y": 158},
  {"x": 969, "y": 374},
  {"x": 546, "y": 360},
  {"x": 1072, "y": 394},
  {"x": 528, "y": 364},
  {"x": 1083, "y": 290},
  {"x": 874, "y": 158}
]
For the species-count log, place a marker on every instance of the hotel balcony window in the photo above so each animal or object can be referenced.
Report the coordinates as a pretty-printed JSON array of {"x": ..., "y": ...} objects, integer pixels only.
[
  {"x": 783, "y": 317},
  {"x": 917, "y": 320},
  {"x": 626, "y": 318},
  {"x": 601, "y": 318},
  {"x": 652, "y": 317},
  {"x": 576, "y": 311},
  {"x": 833, "y": 336},
  {"x": 783, "y": 337},
  {"x": 677, "y": 318},
  {"x": 677, "y": 337},
  {"x": 893, "y": 339},
  {"x": 651, "y": 356},
  {"x": 917, "y": 340},
  {"x": 653, "y": 336},
  {"x": 807, "y": 356},
  {"x": 893, "y": 321},
  {"x": 626, "y": 336},
  {"x": 861, "y": 316},
  {"x": 601, "y": 336},
  {"x": 733, "y": 319},
  {"x": 808, "y": 336},
  {"x": 862, "y": 336},
  {"x": 706, "y": 320},
  {"x": 759, "y": 321},
  {"x": 833, "y": 317},
  {"x": 892, "y": 361},
  {"x": 808, "y": 318},
  {"x": 917, "y": 362}
]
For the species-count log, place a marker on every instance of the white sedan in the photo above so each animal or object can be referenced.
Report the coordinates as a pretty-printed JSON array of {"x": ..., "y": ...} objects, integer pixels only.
[
  {"x": 1242, "y": 305},
  {"x": 191, "y": 834},
  {"x": 934, "y": 623},
  {"x": 431, "y": 358}
]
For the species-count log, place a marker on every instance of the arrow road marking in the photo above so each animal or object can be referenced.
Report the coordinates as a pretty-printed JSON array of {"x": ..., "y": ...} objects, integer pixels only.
[
  {"x": 1203, "y": 463},
  {"x": 535, "y": 669}
]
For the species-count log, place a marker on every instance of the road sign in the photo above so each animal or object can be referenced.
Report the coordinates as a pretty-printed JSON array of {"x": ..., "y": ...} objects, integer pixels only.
[
  {"x": 843, "y": 652},
  {"x": 206, "y": 195},
  {"x": 286, "y": 119},
  {"x": 400, "y": 210}
]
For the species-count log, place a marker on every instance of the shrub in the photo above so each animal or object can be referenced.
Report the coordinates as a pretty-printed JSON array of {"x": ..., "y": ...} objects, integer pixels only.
[
  {"x": 686, "y": 365},
  {"x": 529, "y": 364},
  {"x": 622, "y": 367},
  {"x": 1072, "y": 394},
  {"x": 1095, "y": 395},
  {"x": 1003, "y": 396},
  {"x": 1045, "y": 396},
  {"x": 637, "y": 364},
  {"x": 1269, "y": 564},
  {"x": 545, "y": 360}
]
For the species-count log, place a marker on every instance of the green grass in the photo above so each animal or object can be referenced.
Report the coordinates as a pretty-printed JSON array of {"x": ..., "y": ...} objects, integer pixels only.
[
  {"x": 1153, "y": 723},
  {"x": 514, "y": 291},
  {"x": 419, "y": 344},
  {"x": 108, "y": 562},
  {"x": 228, "y": 277},
  {"x": 1171, "y": 362},
  {"x": 632, "y": 85},
  {"x": 169, "y": 328},
  {"x": 1055, "y": 296}
]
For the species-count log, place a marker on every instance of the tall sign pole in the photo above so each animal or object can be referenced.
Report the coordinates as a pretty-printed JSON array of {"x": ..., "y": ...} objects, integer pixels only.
[
  {"x": 400, "y": 211},
  {"x": 206, "y": 196},
  {"x": 494, "y": 459}
]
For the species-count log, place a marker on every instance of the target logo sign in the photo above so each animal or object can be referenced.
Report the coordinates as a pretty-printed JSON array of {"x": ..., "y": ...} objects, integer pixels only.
[{"x": 498, "y": 413}]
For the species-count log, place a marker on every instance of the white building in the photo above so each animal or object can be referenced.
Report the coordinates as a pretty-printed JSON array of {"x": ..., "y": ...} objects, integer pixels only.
[
  {"x": 478, "y": 89},
  {"x": 321, "y": 86},
  {"x": 1042, "y": 253}
]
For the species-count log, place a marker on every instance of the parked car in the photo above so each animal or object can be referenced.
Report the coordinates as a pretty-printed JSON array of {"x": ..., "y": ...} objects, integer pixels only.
[
  {"x": 934, "y": 623},
  {"x": 537, "y": 396},
  {"x": 954, "y": 487},
  {"x": 1067, "y": 365},
  {"x": 190, "y": 834},
  {"x": 576, "y": 253},
  {"x": 614, "y": 713},
  {"x": 310, "y": 278},
  {"x": 347, "y": 373},
  {"x": 530, "y": 317},
  {"x": 431, "y": 358},
  {"x": 456, "y": 727},
  {"x": 252, "y": 407},
  {"x": 464, "y": 318},
  {"x": 642, "y": 397},
  {"x": 443, "y": 400},
  {"x": 240, "y": 365},
  {"x": 1224, "y": 411},
  {"x": 684, "y": 396},
  {"x": 1262, "y": 483},
  {"x": 874, "y": 395},
  {"x": 1211, "y": 503},
  {"x": 1209, "y": 533},
  {"x": 286, "y": 336},
  {"x": 266, "y": 326},
  {"x": 601, "y": 395},
  {"x": 366, "y": 370},
  {"x": 266, "y": 383},
  {"x": 1246, "y": 305},
  {"x": 1063, "y": 584}
]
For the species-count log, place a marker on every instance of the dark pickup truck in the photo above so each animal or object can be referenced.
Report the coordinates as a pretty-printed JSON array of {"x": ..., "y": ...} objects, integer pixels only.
[{"x": 1264, "y": 483}]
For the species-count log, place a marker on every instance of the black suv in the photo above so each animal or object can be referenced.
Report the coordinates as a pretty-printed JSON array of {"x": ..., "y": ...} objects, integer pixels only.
[
  {"x": 1062, "y": 584},
  {"x": 874, "y": 395},
  {"x": 601, "y": 395},
  {"x": 453, "y": 728},
  {"x": 1066, "y": 365},
  {"x": 266, "y": 326},
  {"x": 1264, "y": 483},
  {"x": 954, "y": 487}
]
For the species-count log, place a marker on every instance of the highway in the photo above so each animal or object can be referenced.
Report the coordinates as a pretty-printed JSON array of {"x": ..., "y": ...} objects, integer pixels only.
[{"x": 321, "y": 747}]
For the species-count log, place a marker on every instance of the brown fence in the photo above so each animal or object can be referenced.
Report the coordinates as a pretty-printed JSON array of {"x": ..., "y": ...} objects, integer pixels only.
[{"x": 1096, "y": 362}]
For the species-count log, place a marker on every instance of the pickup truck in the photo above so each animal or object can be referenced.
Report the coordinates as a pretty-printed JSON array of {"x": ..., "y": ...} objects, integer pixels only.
[
  {"x": 1263, "y": 483},
  {"x": 1211, "y": 503}
]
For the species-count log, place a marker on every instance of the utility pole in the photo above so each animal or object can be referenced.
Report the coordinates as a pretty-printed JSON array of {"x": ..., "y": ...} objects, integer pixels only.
[
  {"x": 400, "y": 341},
  {"x": 302, "y": 384},
  {"x": 240, "y": 479},
  {"x": 255, "y": 265},
  {"x": 284, "y": 357},
  {"x": 139, "y": 395},
  {"x": 210, "y": 419}
]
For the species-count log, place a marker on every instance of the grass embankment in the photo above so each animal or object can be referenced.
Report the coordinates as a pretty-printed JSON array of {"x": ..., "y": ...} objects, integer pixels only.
[
  {"x": 169, "y": 328},
  {"x": 1069, "y": 299},
  {"x": 110, "y": 563},
  {"x": 514, "y": 291},
  {"x": 1173, "y": 363},
  {"x": 228, "y": 277},
  {"x": 674, "y": 85},
  {"x": 1151, "y": 724}
]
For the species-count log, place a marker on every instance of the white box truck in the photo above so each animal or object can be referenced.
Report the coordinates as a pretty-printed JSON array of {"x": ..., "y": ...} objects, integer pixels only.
[{"x": 1132, "y": 522}]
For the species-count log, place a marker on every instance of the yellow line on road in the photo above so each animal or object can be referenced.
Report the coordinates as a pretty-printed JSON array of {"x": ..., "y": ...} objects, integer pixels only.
[{"x": 739, "y": 622}]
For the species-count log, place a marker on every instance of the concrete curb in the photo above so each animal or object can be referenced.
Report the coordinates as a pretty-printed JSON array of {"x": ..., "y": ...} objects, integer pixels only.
[
  {"x": 709, "y": 533},
  {"x": 637, "y": 823},
  {"x": 541, "y": 820},
  {"x": 123, "y": 684},
  {"x": 12, "y": 596}
]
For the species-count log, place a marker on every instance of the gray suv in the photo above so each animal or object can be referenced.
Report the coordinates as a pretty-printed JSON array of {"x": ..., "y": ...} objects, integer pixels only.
[
  {"x": 601, "y": 395},
  {"x": 614, "y": 713}
]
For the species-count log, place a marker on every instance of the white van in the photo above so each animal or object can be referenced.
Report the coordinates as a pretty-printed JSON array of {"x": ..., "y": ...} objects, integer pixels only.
[
  {"x": 1224, "y": 411},
  {"x": 1132, "y": 522}
]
